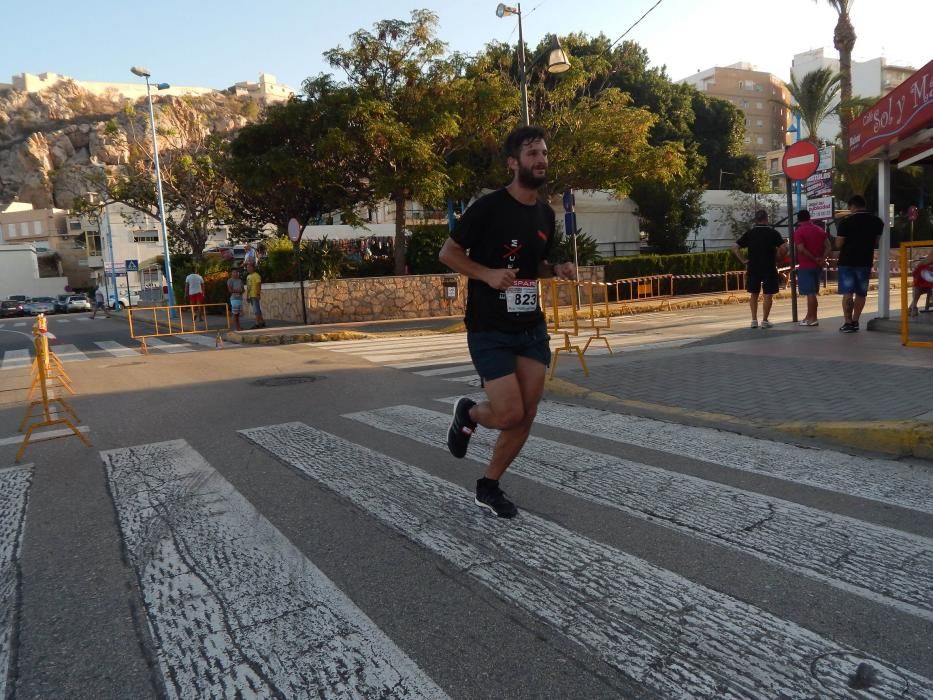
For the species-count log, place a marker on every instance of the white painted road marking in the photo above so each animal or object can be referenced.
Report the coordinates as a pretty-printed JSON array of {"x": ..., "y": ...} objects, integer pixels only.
[
  {"x": 880, "y": 480},
  {"x": 115, "y": 348},
  {"x": 236, "y": 609},
  {"x": 14, "y": 492},
  {"x": 886, "y": 565},
  {"x": 445, "y": 370},
  {"x": 208, "y": 341},
  {"x": 157, "y": 344},
  {"x": 40, "y": 436},
  {"x": 16, "y": 359},
  {"x": 676, "y": 637},
  {"x": 69, "y": 353}
]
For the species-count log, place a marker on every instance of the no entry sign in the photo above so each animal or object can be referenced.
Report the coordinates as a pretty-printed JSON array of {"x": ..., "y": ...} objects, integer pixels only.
[{"x": 800, "y": 160}]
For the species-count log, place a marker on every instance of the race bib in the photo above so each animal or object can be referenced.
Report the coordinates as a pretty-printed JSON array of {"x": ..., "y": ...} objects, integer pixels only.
[{"x": 522, "y": 296}]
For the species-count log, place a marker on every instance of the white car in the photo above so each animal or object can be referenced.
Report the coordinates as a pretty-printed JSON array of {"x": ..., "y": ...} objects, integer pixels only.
[{"x": 126, "y": 300}]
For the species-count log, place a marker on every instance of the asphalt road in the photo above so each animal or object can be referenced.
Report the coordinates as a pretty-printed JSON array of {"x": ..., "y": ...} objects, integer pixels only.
[{"x": 284, "y": 521}]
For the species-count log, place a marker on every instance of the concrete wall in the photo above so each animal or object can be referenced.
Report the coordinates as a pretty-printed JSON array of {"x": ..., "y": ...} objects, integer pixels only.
[
  {"x": 372, "y": 298},
  {"x": 19, "y": 274}
]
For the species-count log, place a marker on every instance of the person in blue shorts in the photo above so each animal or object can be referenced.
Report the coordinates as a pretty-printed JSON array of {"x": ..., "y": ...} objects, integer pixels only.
[
  {"x": 813, "y": 247},
  {"x": 502, "y": 243},
  {"x": 856, "y": 239}
]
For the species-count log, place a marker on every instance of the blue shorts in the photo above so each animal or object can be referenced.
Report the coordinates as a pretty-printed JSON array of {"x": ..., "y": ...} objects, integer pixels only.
[
  {"x": 808, "y": 280},
  {"x": 854, "y": 280},
  {"x": 493, "y": 353},
  {"x": 257, "y": 309},
  {"x": 235, "y": 305}
]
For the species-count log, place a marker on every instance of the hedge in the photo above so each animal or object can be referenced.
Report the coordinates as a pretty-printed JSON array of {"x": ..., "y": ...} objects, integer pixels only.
[{"x": 711, "y": 263}]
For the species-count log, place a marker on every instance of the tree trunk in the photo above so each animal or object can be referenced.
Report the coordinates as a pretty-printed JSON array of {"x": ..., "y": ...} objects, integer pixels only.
[
  {"x": 400, "y": 201},
  {"x": 844, "y": 41}
]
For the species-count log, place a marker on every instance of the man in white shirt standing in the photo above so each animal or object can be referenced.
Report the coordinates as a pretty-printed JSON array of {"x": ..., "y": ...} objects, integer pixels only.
[{"x": 194, "y": 292}]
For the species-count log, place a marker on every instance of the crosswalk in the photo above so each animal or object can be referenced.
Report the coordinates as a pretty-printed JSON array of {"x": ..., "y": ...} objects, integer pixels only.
[
  {"x": 447, "y": 356},
  {"x": 236, "y": 609},
  {"x": 92, "y": 349}
]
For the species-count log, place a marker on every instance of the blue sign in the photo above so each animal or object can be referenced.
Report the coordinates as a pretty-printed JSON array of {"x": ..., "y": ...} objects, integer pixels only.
[
  {"x": 569, "y": 200},
  {"x": 570, "y": 223},
  {"x": 132, "y": 265}
]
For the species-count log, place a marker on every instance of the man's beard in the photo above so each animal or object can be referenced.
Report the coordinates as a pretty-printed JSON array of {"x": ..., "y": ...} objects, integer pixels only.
[{"x": 527, "y": 178}]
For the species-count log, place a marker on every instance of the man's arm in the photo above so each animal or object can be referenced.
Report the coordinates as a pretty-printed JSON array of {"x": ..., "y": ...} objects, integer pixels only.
[
  {"x": 738, "y": 253},
  {"x": 454, "y": 256}
]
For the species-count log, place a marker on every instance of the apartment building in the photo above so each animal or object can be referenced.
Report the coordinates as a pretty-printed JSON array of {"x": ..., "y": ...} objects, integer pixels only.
[
  {"x": 762, "y": 97},
  {"x": 872, "y": 78}
]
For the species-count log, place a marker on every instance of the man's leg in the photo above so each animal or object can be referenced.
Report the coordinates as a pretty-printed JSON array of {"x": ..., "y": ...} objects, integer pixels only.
[
  {"x": 847, "y": 306},
  {"x": 812, "y": 306},
  {"x": 753, "y": 305},
  {"x": 511, "y": 409},
  {"x": 766, "y": 306},
  {"x": 858, "y": 303}
]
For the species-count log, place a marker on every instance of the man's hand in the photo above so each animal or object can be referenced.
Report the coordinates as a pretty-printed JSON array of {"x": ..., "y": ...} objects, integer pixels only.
[
  {"x": 565, "y": 271},
  {"x": 500, "y": 279}
]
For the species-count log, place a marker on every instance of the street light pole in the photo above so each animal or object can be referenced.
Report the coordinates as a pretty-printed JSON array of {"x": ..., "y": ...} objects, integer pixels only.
[{"x": 143, "y": 73}]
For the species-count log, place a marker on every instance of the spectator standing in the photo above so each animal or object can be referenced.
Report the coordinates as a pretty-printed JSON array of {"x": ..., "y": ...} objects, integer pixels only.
[
  {"x": 235, "y": 289},
  {"x": 194, "y": 292},
  {"x": 856, "y": 240},
  {"x": 765, "y": 247},
  {"x": 813, "y": 247},
  {"x": 253, "y": 294}
]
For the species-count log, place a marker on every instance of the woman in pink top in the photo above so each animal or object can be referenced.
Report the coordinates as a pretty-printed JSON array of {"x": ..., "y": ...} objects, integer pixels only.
[{"x": 812, "y": 248}]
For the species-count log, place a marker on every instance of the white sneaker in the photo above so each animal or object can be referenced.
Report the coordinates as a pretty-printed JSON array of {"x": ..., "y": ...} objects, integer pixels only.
[
  {"x": 754, "y": 324},
  {"x": 766, "y": 324}
]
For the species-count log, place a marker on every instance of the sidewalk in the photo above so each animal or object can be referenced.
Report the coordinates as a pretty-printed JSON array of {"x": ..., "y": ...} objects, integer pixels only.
[{"x": 863, "y": 390}]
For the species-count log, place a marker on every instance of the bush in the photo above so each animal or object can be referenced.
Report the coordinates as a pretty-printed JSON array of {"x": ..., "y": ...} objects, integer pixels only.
[
  {"x": 711, "y": 263},
  {"x": 423, "y": 246}
]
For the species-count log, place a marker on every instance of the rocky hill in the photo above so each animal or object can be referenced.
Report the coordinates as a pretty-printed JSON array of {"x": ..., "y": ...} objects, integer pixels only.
[{"x": 50, "y": 142}]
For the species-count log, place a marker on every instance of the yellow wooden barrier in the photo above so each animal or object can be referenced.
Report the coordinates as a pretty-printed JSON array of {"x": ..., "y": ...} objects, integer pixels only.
[
  {"x": 555, "y": 324},
  {"x": 182, "y": 319},
  {"x": 905, "y": 273}
]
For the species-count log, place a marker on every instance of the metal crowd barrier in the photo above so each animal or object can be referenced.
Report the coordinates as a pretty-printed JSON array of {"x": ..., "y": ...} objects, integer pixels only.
[
  {"x": 904, "y": 264},
  {"x": 182, "y": 319}
]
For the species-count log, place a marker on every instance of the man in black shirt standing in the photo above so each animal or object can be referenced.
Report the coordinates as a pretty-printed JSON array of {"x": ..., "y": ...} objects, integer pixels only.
[
  {"x": 765, "y": 246},
  {"x": 856, "y": 238},
  {"x": 502, "y": 243}
]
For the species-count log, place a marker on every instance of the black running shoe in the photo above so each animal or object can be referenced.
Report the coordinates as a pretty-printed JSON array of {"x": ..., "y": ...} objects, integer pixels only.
[
  {"x": 844, "y": 328},
  {"x": 850, "y": 327},
  {"x": 489, "y": 495},
  {"x": 461, "y": 428}
]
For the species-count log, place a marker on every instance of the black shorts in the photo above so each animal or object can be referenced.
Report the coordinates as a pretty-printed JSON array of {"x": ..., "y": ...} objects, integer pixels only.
[
  {"x": 755, "y": 282},
  {"x": 493, "y": 352}
]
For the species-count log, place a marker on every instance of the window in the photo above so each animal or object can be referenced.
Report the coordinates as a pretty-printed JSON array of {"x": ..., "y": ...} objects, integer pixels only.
[
  {"x": 74, "y": 225},
  {"x": 759, "y": 105},
  {"x": 744, "y": 104},
  {"x": 759, "y": 122},
  {"x": 760, "y": 141},
  {"x": 146, "y": 236},
  {"x": 93, "y": 243},
  {"x": 748, "y": 139},
  {"x": 36, "y": 228}
]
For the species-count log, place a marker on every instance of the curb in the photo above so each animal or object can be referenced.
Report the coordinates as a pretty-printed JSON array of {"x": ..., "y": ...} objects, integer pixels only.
[{"x": 906, "y": 438}]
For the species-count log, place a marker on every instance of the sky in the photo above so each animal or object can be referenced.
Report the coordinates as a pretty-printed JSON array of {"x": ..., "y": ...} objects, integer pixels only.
[{"x": 215, "y": 44}]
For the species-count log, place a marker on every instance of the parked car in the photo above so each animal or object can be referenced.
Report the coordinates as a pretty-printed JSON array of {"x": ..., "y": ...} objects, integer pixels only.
[
  {"x": 61, "y": 303},
  {"x": 18, "y": 297},
  {"x": 11, "y": 307},
  {"x": 78, "y": 302},
  {"x": 126, "y": 300},
  {"x": 40, "y": 305}
]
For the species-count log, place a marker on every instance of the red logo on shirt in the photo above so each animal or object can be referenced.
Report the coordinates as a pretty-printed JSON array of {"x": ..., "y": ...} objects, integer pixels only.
[
  {"x": 542, "y": 235},
  {"x": 511, "y": 250}
]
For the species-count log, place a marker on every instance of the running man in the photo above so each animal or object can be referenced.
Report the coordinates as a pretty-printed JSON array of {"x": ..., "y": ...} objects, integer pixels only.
[{"x": 502, "y": 243}]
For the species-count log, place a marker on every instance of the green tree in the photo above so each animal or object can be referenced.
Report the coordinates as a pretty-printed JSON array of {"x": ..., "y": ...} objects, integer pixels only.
[
  {"x": 718, "y": 131},
  {"x": 308, "y": 157},
  {"x": 815, "y": 98},
  {"x": 398, "y": 68}
]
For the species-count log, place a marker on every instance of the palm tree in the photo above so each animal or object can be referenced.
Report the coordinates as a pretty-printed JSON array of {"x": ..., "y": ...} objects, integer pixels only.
[
  {"x": 844, "y": 40},
  {"x": 815, "y": 96}
]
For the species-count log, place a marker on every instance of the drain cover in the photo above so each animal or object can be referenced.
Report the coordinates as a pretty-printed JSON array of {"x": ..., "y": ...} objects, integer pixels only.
[{"x": 286, "y": 381}]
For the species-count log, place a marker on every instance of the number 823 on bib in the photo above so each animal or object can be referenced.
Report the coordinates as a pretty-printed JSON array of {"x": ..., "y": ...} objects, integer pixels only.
[{"x": 522, "y": 296}]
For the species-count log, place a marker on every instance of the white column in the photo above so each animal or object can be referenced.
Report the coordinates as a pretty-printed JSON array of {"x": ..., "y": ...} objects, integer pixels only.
[{"x": 884, "y": 248}]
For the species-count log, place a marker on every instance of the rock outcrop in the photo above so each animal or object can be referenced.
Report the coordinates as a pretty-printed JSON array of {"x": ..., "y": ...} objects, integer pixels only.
[{"x": 52, "y": 142}]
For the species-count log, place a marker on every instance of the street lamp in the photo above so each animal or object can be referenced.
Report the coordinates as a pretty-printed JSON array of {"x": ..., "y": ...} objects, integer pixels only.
[
  {"x": 557, "y": 59},
  {"x": 795, "y": 130},
  {"x": 144, "y": 73}
]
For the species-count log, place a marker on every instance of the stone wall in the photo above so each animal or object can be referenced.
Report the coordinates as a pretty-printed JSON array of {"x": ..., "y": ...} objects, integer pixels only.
[{"x": 374, "y": 298}]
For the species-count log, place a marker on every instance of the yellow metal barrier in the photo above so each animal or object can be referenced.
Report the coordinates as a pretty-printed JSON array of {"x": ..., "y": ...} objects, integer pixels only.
[
  {"x": 52, "y": 410},
  {"x": 659, "y": 287},
  {"x": 555, "y": 324},
  {"x": 594, "y": 324},
  {"x": 175, "y": 320},
  {"x": 905, "y": 273}
]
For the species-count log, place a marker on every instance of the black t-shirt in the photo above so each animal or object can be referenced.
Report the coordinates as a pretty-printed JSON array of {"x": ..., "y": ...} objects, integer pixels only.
[
  {"x": 762, "y": 243},
  {"x": 860, "y": 230},
  {"x": 501, "y": 232}
]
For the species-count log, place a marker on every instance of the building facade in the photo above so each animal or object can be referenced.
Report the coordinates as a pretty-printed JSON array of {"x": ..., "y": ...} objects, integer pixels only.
[
  {"x": 762, "y": 97},
  {"x": 871, "y": 79}
]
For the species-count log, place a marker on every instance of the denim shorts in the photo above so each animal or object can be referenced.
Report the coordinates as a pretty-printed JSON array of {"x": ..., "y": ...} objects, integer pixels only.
[
  {"x": 494, "y": 352},
  {"x": 236, "y": 303},
  {"x": 808, "y": 280},
  {"x": 257, "y": 309},
  {"x": 854, "y": 280}
]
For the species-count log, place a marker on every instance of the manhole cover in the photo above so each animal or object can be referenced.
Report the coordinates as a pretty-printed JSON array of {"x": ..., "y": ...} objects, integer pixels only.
[{"x": 286, "y": 381}]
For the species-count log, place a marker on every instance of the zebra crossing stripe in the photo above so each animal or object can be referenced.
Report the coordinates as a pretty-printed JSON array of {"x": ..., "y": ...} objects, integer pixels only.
[
  {"x": 157, "y": 344},
  {"x": 665, "y": 632},
  {"x": 115, "y": 348},
  {"x": 16, "y": 359},
  {"x": 235, "y": 608},
  {"x": 69, "y": 353},
  {"x": 445, "y": 370},
  {"x": 453, "y": 359},
  {"x": 14, "y": 493},
  {"x": 207, "y": 341},
  {"x": 885, "y": 565},
  {"x": 881, "y": 480},
  {"x": 416, "y": 342}
]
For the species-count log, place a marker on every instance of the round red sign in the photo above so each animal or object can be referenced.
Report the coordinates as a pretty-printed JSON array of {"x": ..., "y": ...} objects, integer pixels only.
[
  {"x": 800, "y": 160},
  {"x": 912, "y": 213}
]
